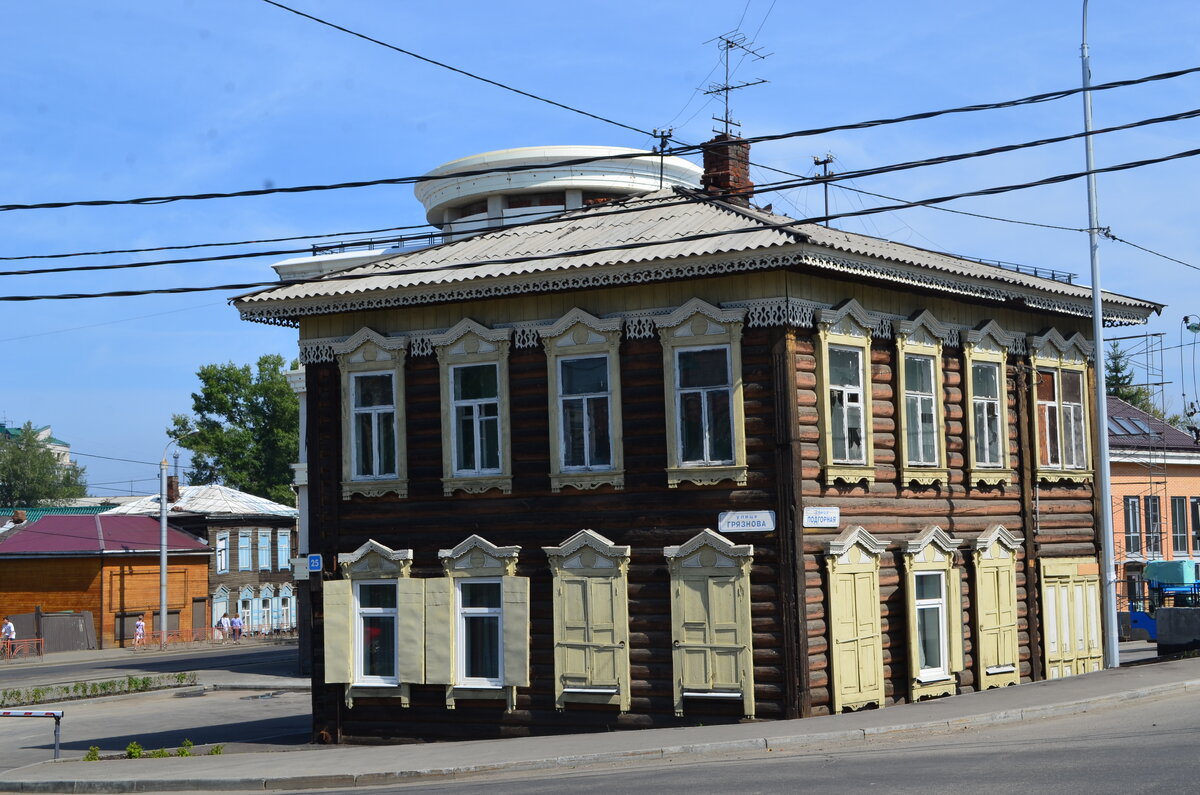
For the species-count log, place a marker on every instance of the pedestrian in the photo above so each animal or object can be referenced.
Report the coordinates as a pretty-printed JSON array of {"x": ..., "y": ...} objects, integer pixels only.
[
  {"x": 235, "y": 624},
  {"x": 225, "y": 626},
  {"x": 8, "y": 633},
  {"x": 139, "y": 632}
]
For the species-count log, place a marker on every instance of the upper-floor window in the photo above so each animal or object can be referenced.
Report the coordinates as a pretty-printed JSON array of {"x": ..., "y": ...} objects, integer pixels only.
[
  {"x": 1179, "y": 532},
  {"x": 372, "y": 393},
  {"x": 264, "y": 550},
  {"x": 846, "y": 404},
  {"x": 920, "y": 411},
  {"x": 584, "y": 373},
  {"x": 704, "y": 393},
  {"x": 222, "y": 553},
  {"x": 476, "y": 454},
  {"x": 284, "y": 550},
  {"x": 1153, "y": 524},
  {"x": 702, "y": 364},
  {"x": 986, "y": 414},
  {"x": 1061, "y": 431},
  {"x": 374, "y": 423},
  {"x": 245, "y": 559},
  {"x": 476, "y": 408},
  {"x": 1133, "y": 526},
  {"x": 584, "y": 400}
]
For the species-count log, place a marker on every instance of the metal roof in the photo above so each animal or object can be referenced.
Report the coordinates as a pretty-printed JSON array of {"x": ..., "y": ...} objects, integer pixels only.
[
  {"x": 210, "y": 500},
  {"x": 59, "y": 534},
  {"x": 1132, "y": 428},
  {"x": 641, "y": 238}
]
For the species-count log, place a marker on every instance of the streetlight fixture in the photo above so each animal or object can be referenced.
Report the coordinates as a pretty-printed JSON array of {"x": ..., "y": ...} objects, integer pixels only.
[{"x": 162, "y": 542}]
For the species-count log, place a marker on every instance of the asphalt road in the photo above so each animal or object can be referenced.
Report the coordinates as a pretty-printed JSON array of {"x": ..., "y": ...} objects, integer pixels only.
[
  {"x": 1146, "y": 746},
  {"x": 243, "y": 720}
]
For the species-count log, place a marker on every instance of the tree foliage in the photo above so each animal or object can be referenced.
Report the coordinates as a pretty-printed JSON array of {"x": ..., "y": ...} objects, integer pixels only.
[
  {"x": 30, "y": 474},
  {"x": 1119, "y": 381},
  {"x": 245, "y": 430}
]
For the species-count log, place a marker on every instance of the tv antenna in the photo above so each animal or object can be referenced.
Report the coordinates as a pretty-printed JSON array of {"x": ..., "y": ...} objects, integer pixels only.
[{"x": 727, "y": 44}]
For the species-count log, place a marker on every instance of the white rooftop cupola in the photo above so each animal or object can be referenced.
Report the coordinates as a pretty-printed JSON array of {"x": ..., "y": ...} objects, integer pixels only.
[{"x": 462, "y": 204}]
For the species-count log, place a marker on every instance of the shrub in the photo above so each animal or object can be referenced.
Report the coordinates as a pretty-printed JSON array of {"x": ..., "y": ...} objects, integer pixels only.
[
  {"x": 161, "y": 753},
  {"x": 216, "y": 750},
  {"x": 133, "y": 751},
  {"x": 93, "y": 754},
  {"x": 185, "y": 748}
]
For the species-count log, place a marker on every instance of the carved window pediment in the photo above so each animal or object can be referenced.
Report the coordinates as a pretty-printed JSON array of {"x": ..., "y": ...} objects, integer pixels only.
[
  {"x": 478, "y": 557},
  {"x": 375, "y": 560}
]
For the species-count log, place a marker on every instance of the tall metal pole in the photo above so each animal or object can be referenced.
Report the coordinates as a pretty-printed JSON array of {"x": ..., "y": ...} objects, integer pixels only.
[
  {"x": 1103, "y": 485},
  {"x": 162, "y": 550}
]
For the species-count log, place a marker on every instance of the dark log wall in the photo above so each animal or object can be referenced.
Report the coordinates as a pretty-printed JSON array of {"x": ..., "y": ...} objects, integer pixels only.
[{"x": 788, "y": 592}]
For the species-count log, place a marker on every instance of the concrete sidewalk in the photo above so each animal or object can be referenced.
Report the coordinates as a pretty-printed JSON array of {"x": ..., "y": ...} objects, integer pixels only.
[{"x": 349, "y": 766}]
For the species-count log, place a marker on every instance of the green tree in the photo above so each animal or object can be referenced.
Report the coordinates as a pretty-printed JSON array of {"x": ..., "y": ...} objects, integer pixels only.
[
  {"x": 1118, "y": 380},
  {"x": 245, "y": 432},
  {"x": 31, "y": 475}
]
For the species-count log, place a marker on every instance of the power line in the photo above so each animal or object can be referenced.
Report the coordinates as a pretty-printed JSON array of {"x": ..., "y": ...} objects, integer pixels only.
[
  {"x": 787, "y": 225},
  {"x": 973, "y": 215},
  {"x": 680, "y": 150},
  {"x": 455, "y": 69},
  {"x": 1108, "y": 233},
  {"x": 110, "y": 458},
  {"x": 805, "y": 180}
]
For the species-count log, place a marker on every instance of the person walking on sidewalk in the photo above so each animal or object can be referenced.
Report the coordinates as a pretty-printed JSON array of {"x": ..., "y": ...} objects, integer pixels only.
[
  {"x": 8, "y": 633},
  {"x": 139, "y": 632},
  {"x": 235, "y": 625},
  {"x": 223, "y": 627}
]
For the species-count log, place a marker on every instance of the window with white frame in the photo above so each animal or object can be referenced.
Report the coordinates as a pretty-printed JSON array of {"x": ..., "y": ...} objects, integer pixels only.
[
  {"x": 920, "y": 410},
  {"x": 585, "y": 398},
  {"x": 476, "y": 409},
  {"x": 1153, "y": 524},
  {"x": 372, "y": 397},
  {"x": 374, "y": 424},
  {"x": 375, "y": 632},
  {"x": 986, "y": 414},
  {"x": 479, "y": 633},
  {"x": 1179, "y": 533},
  {"x": 847, "y": 418},
  {"x": 704, "y": 394},
  {"x": 245, "y": 559},
  {"x": 264, "y": 550},
  {"x": 1195, "y": 503},
  {"x": 284, "y": 550},
  {"x": 930, "y": 604},
  {"x": 222, "y": 553},
  {"x": 1133, "y": 526}
]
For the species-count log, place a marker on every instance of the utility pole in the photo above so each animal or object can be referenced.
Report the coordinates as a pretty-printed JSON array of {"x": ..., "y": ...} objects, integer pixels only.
[
  {"x": 1103, "y": 490},
  {"x": 663, "y": 136},
  {"x": 824, "y": 163},
  {"x": 727, "y": 43}
]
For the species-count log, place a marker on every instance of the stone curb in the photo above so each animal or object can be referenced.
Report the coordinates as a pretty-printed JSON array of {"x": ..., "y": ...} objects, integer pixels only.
[{"x": 752, "y": 744}]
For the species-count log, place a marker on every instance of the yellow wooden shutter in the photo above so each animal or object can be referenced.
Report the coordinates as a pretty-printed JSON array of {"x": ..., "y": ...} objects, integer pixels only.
[
  {"x": 1007, "y": 652},
  {"x": 515, "y": 619},
  {"x": 574, "y": 667},
  {"x": 869, "y": 634},
  {"x": 410, "y": 614},
  {"x": 727, "y": 646},
  {"x": 954, "y": 618},
  {"x": 602, "y": 621},
  {"x": 338, "y": 626},
  {"x": 439, "y": 631},
  {"x": 914, "y": 641},
  {"x": 692, "y": 635}
]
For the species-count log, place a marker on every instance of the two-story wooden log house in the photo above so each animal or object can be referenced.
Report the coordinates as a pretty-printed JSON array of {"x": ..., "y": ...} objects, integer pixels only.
[{"x": 669, "y": 458}]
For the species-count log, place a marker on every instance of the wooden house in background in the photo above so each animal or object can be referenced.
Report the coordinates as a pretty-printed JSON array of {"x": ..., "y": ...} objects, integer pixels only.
[
  {"x": 106, "y": 564},
  {"x": 672, "y": 459}
]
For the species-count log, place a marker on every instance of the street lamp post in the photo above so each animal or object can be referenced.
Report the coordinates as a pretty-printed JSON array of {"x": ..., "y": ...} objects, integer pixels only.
[{"x": 162, "y": 543}]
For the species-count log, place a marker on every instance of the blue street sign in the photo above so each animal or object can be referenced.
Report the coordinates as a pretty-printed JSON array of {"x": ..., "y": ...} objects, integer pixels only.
[{"x": 314, "y": 563}]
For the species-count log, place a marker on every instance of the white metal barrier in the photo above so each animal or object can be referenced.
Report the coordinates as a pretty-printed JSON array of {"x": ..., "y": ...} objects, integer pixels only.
[{"x": 38, "y": 713}]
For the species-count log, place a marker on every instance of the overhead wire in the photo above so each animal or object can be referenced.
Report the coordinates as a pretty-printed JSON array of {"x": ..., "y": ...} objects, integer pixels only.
[
  {"x": 1053, "y": 180},
  {"x": 684, "y": 148}
]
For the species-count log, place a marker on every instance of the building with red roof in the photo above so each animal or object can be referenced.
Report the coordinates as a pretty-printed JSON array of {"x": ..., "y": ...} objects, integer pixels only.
[{"x": 108, "y": 565}]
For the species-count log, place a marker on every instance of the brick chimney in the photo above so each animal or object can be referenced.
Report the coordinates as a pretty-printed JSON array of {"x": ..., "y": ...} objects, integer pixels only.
[
  {"x": 727, "y": 169},
  {"x": 172, "y": 488},
  {"x": 18, "y": 517}
]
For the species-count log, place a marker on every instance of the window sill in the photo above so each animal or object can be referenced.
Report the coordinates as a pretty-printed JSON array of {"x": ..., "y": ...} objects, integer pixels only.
[
  {"x": 706, "y": 475},
  {"x": 923, "y": 476},
  {"x": 989, "y": 477},
  {"x": 991, "y": 670},
  {"x": 942, "y": 685},
  {"x": 850, "y": 474},
  {"x": 477, "y": 484},
  {"x": 1064, "y": 475},
  {"x": 505, "y": 693},
  {"x": 712, "y": 694},
  {"x": 587, "y": 480},
  {"x": 374, "y": 488},
  {"x": 373, "y": 690}
]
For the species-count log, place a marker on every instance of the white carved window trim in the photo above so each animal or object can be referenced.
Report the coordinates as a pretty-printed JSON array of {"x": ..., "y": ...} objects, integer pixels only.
[
  {"x": 245, "y": 551},
  {"x": 848, "y": 326},
  {"x": 579, "y": 335},
  {"x": 469, "y": 343},
  {"x": 222, "y": 561},
  {"x": 264, "y": 550},
  {"x": 699, "y": 325},
  {"x": 368, "y": 353},
  {"x": 933, "y": 552}
]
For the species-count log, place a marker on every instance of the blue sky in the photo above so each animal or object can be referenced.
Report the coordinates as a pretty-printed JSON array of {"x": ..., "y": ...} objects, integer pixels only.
[{"x": 139, "y": 97}]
